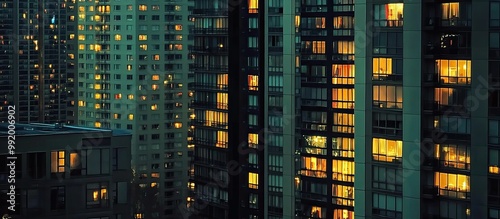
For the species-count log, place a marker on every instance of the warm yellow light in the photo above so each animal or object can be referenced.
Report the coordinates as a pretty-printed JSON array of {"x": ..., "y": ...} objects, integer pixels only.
[{"x": 95, "y": 195}]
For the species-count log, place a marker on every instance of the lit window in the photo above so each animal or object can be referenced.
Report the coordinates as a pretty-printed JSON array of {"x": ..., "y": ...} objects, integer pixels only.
[
  {"x": 382, "y": 67},
  {"x": 453, "y": 156},
  {"x": 342, "y": 74},
  {"x": 389, "y": 15},
  {"x": 451, "y": 10},
  {"x": 454, "y": 71},
  {"x": 129, "y": 67},
  {"x": 222, "y": 139},
  {"x": 343, "y": 122},
  {"x": 143, "y": 37},
  {"x": 155, "y": 77},
  {"x": 343, "y": 170},
  {"x": 154, "y": 107},
  {"x": 178, "y": 125},
  {"x": 118, "y": 96},
  {"x": 116, "y": 116},
  {"x": 222, "y": 100},
  {"x": 143, "y": 47},
  {"x": 97, "y": 124},
  {"x": 130, "y": 116},
  {"x": 215, "y": 118},
  {"x": 253, "y": 82},
  {"x": 97, "y": 195},
  {"x": 253, "y": 6},
  {"x": 315, "y": 145},
  {"x": 81, "y": 37},
  {"x": 97, "y": 106},
  {"x": 452, "y": 185},
  {"x": 155, "y": 87},
  {"x": 143, "y": 7},
  {"x": 97, "y": 96},
  {"x": 178, "y": 27},
  {"x": 385, "y": 96},
  {"x": 253, "y": 140},
  {"x": 57, "y": 161},
  {"x": 118, "y": 37},
  {"x": 343, "y": 98},
  {"x": 387, "y": 150},
  {"x": 156, "y": 57},
  {"x": 317, "y": 212},
  {"x": 314, "y": 47},
  {"x": 343, "y": 147},
  {"x": 343, "y": 213},
  {"x": 253, "y": 180},
  {"x": 130, "y": 96},
  {"x": 222, "y": 80},
  {"x": 313, "y": 167},
  {"x": 344, "y": 47},
  {"x": 81, "y": 103},
  {"x": 81, "y": 47}
]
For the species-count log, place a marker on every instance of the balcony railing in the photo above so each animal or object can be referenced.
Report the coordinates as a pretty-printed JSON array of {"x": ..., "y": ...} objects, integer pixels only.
[
  {"x": 210, "y": 12},
  {"x": 215, "y": 31}
]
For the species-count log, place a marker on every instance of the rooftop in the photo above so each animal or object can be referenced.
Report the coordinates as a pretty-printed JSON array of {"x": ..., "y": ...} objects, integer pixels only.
[{"x": 54, "y": 129}]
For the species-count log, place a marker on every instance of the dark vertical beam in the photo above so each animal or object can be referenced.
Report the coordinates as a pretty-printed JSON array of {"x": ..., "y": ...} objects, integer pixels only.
[
  {"x": 15, "y": 39},
  {"x": 41, "y": 64},
  {"x": 236, "y": 92},
  {"x": 262, "y": 106}
]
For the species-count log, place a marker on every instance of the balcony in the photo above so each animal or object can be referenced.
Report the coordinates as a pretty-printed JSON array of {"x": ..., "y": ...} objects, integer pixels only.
[
  {"x": 390, "y": 77},
  {"x": 209, "y": 68},
  {"x": 211, "y": 31},
  {"x": 209, "y": 87},
  {"x": 207, "y": 123},
  {"x": 211, "y": 12},
  {"x": 314, "y": 197},
  {"x": 208, "y": 49}
]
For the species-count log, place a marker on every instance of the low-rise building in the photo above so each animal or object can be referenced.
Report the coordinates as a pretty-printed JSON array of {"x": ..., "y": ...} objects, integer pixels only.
[{"x": 61, "y": 171}]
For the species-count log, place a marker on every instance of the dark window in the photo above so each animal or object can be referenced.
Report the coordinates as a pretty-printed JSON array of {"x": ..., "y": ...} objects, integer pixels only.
[
  {"x": 388, "y": 43},
  {"x": 36, "y": 165},
  {"x": 32, "y": 199},
  {"x": 57, "y": 198},
  {"x": 387, "y": 178},
  {"x": 388, "y": 124}
]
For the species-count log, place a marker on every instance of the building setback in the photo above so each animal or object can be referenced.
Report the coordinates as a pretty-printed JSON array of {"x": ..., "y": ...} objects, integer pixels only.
[{"x": 67, "y": 172}]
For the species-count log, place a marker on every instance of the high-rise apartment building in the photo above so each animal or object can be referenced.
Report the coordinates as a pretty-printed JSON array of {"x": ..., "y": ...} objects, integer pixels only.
[
  {"x": 327, "y": 110},
  {"x": 427, "y": 109},
  {"x": 246, "y": 74},
  {"x": 129, "y": 65},
  {"x": 32, "y": 66}
]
